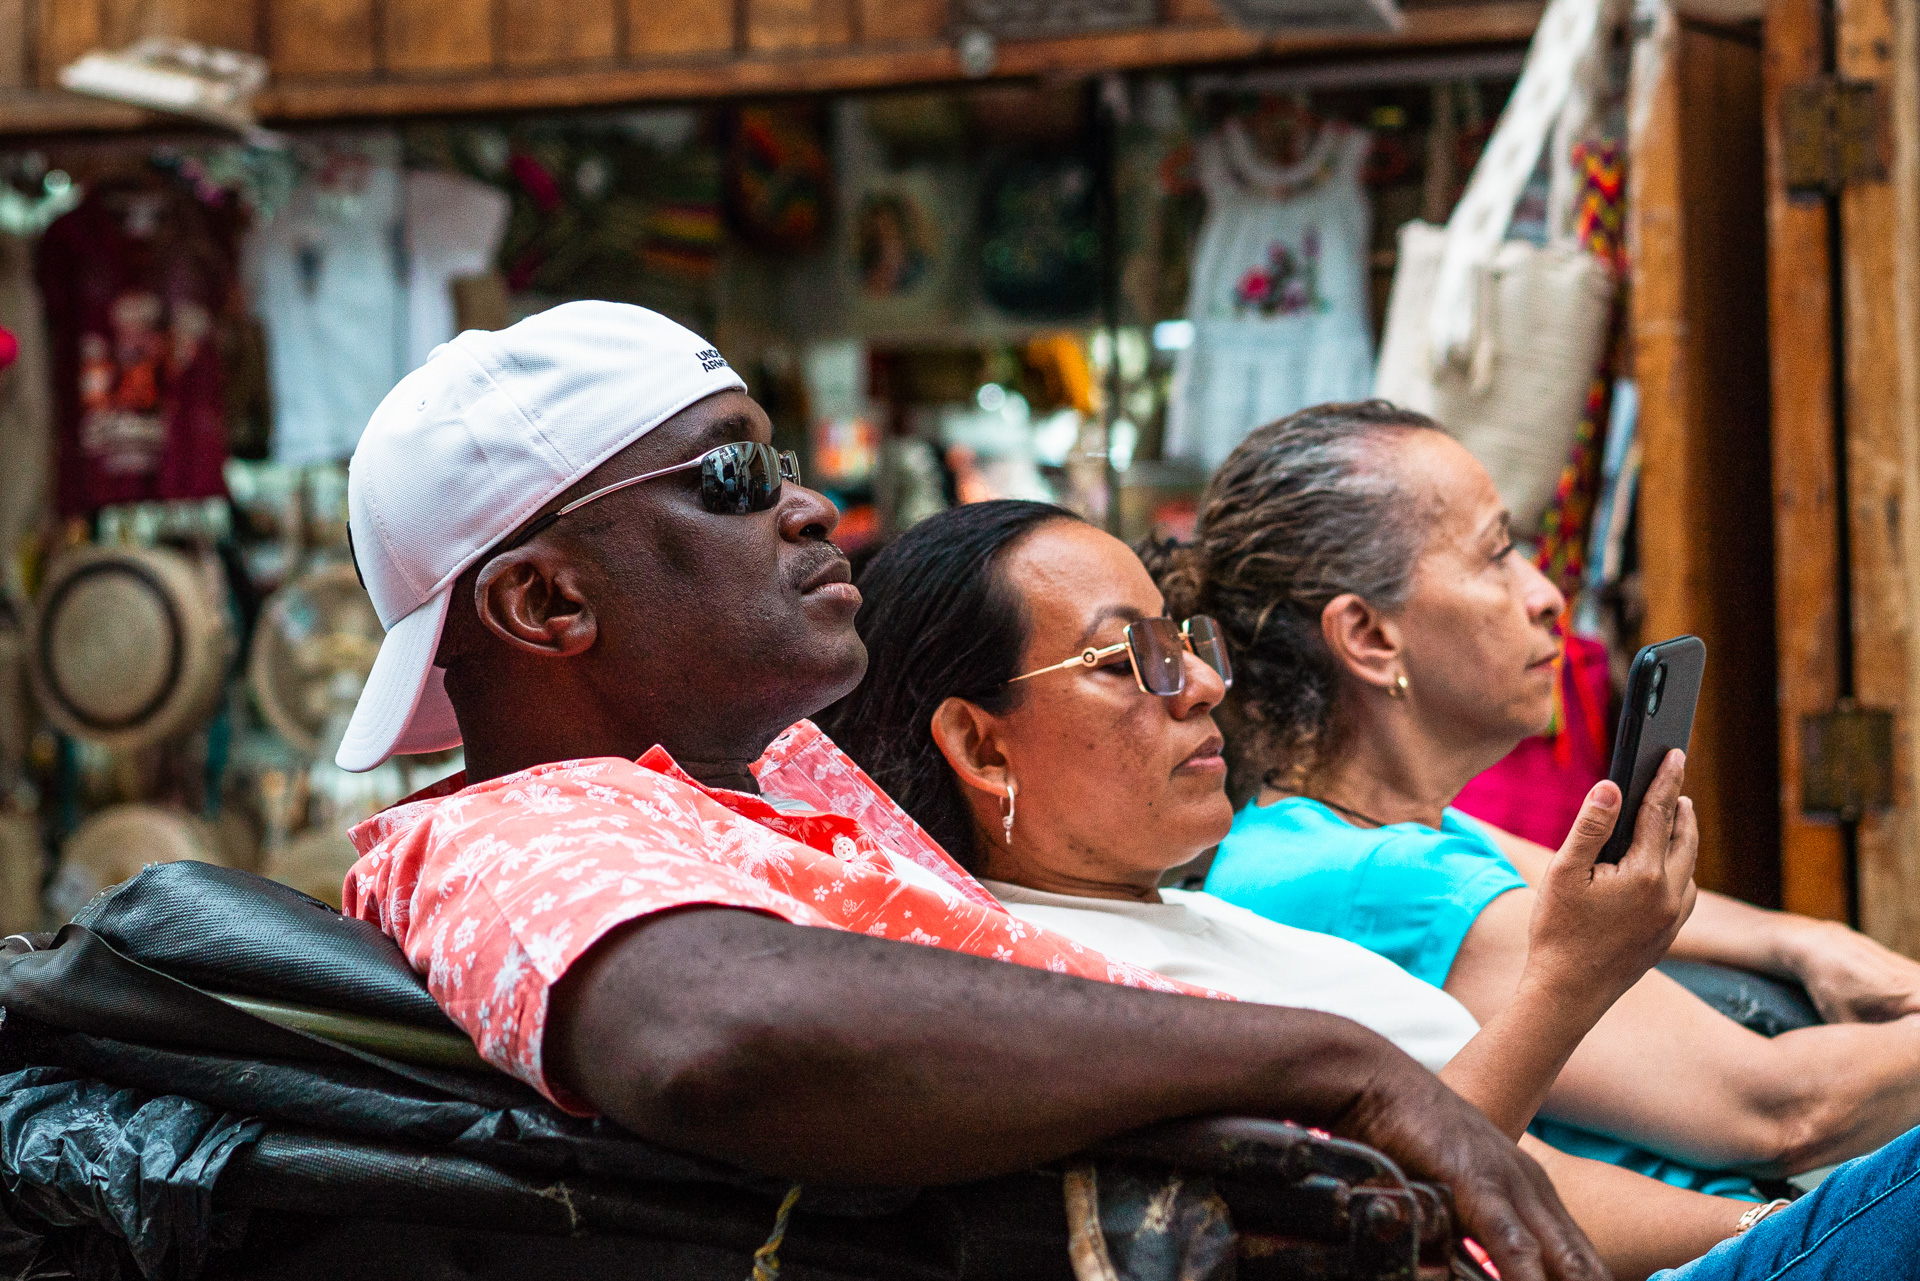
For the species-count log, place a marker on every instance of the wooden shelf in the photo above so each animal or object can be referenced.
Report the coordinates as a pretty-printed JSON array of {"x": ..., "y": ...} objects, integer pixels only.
[{"x": 391, "y": 78}]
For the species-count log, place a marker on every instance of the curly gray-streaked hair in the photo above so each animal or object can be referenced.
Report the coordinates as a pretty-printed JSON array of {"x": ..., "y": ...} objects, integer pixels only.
[{"x": 1304, "y": 510}]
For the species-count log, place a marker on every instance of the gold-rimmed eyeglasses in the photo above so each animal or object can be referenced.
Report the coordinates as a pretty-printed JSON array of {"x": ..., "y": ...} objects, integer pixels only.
[{"x": 1157, "y": 648}]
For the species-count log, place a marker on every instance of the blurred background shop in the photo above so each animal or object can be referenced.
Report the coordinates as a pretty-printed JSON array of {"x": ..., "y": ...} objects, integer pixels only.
[{"x": 960, "y": 249}]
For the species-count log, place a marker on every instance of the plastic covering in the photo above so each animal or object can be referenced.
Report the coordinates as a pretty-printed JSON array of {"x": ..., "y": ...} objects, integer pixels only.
[
  {"x": 149, "y": 1128},
  {"x": 78, "y": 1153}
]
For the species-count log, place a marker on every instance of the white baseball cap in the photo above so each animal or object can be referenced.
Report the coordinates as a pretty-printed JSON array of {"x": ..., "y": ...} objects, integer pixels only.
[{"x": 467, "y": 448}]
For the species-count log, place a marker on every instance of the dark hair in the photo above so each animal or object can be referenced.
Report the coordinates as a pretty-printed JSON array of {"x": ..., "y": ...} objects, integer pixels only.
[
  {"x": 940, "y": 621},
  {"x": 1301, "y": 512}
]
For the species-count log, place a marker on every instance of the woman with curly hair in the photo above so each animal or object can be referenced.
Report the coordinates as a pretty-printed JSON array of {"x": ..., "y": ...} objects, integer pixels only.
[{"x": 1390, "y": 642}]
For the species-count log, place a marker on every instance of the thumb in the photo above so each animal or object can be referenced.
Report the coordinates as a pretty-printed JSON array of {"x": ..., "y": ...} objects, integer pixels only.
[{"x": 1593, "y": 826}]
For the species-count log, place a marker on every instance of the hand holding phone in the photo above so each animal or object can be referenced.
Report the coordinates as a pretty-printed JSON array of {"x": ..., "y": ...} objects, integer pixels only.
[{"x": 1663, "y": 689}]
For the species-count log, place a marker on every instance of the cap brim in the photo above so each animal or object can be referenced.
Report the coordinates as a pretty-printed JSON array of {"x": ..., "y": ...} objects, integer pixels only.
[{"x": 404, "y": 706}]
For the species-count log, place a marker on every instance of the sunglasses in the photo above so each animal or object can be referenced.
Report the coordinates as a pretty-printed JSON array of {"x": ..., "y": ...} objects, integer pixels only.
[
  {"x": 735, "y": 479},
  {"x": 1155, "y": 648}
]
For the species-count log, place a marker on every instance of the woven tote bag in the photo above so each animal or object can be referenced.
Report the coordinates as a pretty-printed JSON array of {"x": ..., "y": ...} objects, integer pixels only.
[{"x": 1498, "y": 340}]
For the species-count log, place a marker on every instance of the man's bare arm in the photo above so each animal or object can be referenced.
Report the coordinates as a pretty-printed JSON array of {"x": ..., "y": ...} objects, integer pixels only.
[{"x": 821, "y": 1054}]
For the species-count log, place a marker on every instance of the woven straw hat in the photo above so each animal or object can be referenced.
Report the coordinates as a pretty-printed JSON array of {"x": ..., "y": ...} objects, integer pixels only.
[
  {"x": 128, "y": 644},
  {"x": 114, "y": 844},
  {"x": 315, "y": 631}
]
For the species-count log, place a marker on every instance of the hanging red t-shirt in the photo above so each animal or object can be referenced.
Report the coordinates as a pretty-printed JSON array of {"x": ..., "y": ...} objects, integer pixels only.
[{"x": 132, "y": 281}]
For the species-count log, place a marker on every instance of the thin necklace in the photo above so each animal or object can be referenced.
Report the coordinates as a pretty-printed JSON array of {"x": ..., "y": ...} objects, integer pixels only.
[{"x": 1350, "y": 813}]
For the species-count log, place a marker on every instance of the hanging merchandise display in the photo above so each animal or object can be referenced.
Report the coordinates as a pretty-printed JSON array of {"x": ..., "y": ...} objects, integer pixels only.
[
  {"x": 131, "y": 283},
  {"x": 453, "y": 230},
  {"x": 114, "y": 844},
  {"x": 1567, "y": 527},
  {"x": 901, "y": 250},
  {"x": 26, "y": 409},
  {"x": 1040, "y": 239},
  {"x": 1497, "y": 339},
  {"x": 22, "y": 868},
  {"x": 778, "y": 180},
  {"x": 315, "y": 862},
  {"x": 899, "y": 230},
  {"x": 1279, "y": 291},
  {"x": 628, "y": 211},
  {"x": 324, "y": 275},
  {"x": 312, "y": 648},
  {"x": 128, "y": 645}
]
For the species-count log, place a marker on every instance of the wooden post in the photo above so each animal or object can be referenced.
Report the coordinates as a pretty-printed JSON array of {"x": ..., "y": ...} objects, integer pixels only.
[
  {"x": 1807, "y": 568},
  {"x": 1883, "y": 453}
]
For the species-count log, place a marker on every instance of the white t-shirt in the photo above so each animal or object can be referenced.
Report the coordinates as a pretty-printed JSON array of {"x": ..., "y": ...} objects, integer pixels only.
[
  {"x": 1210, "y": 943},
  {"x": 325, "y": 276},
  {"x": 454, "y": 225}
]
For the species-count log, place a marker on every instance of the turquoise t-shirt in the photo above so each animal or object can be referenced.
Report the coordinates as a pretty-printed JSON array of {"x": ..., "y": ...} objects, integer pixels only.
[
  {"x": 1411, "y": 894},
  {"x": 1404, "y": 890}
]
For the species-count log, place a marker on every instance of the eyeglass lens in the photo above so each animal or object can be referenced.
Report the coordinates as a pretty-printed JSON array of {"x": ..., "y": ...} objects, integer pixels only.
[
  {"x": 743, "y": 477},
  {"x": 1159, "y": 659},
  {"x": 1209, "y": 646}
]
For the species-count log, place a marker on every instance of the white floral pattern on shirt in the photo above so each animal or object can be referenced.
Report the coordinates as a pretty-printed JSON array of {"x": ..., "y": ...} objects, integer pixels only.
[{"x": 494, "y": 890}]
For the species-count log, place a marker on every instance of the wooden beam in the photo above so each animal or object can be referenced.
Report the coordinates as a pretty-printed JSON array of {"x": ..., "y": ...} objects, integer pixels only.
[
  {"x": 1697, "y": 240},
  {"x": 1881, "y": 452},
  {"x": 314, "y": 38},
  {"x": 14, "y": 44},
  {"x": 1813, "y": 872},
  {"x": 38, "y": 111},
  {"x": 433, "y": 36},
  {"x": 903, "y": 21},
  {"x": 226, "y": 24},
  {"x": 67, "y": 29},
  {"x": 288, "y": 101},
  {"x": 659, "y": 29},
  {"x": 777, "y": 25},
  {"x": 542, "y": 34}
]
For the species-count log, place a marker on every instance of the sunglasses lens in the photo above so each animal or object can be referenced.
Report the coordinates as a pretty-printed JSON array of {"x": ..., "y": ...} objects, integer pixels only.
[
  {"x": 1158, "y": 655},
  {"x": 740, "y": 478},
  {"x": 1209, "y": 646}
]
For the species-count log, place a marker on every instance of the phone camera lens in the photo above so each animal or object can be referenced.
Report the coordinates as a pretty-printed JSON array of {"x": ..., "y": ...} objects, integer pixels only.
[{"x": 1655, "y": 688}]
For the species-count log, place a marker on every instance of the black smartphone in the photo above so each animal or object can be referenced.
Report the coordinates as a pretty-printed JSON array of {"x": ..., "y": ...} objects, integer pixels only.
[{"x": 1663, "y": 685}]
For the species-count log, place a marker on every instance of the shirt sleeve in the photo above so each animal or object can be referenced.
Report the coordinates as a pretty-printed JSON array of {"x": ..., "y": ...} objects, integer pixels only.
[
  {"x": 493, "y": 912},
  {"x": 1418, "y": 895}
]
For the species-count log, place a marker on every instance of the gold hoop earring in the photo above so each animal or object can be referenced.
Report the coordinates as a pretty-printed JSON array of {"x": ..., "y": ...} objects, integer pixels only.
[
  {"x": 1399, "y": 687},
  {"x": 1006, "y": 821}
]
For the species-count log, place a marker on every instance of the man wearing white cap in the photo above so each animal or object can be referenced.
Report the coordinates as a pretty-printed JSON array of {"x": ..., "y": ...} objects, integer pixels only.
[{"x": 660, "y": 895}]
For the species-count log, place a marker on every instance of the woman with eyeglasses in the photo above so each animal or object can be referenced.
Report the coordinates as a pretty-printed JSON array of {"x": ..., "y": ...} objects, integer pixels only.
[
  {"x": 1030, "y": 704},
  {"x": 1390, "y": 643}
]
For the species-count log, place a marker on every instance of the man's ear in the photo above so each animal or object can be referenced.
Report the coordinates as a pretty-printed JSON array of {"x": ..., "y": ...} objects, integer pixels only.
[
  {"x": 968, "y": 737},
  {"x": 1364, "y": 643},
  {"x": 533, "y": 598}
]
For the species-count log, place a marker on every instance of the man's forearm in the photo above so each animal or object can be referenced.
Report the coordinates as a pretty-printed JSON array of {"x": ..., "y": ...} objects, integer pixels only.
[{"x": 817, "y": 1053}]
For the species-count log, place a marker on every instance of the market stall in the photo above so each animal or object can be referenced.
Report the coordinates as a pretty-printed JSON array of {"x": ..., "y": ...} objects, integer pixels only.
[{"x": 958, "y": 257}]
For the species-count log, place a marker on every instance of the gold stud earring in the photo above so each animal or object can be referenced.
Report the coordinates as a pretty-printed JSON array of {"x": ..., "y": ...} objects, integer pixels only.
[{"x": 1399, "y": 687}]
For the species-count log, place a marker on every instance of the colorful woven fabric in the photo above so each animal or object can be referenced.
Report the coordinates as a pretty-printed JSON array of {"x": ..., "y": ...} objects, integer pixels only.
[{"x": 1568, "y": 523}]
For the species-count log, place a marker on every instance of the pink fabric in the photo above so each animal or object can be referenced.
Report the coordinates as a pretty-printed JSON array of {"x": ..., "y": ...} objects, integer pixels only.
[{"x": 1537, "y": 790}]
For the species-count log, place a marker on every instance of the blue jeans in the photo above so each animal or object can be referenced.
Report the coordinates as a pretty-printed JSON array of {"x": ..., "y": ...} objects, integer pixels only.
[{"x": 1863, "y": 1221}]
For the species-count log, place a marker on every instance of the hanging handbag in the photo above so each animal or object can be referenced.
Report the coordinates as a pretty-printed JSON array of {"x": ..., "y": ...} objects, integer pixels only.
[{"x": 1498, "y": 340}]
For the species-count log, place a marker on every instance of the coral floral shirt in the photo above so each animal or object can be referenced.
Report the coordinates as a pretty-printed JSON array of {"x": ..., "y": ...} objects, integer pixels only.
[{"x": 493, "y": 890}]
